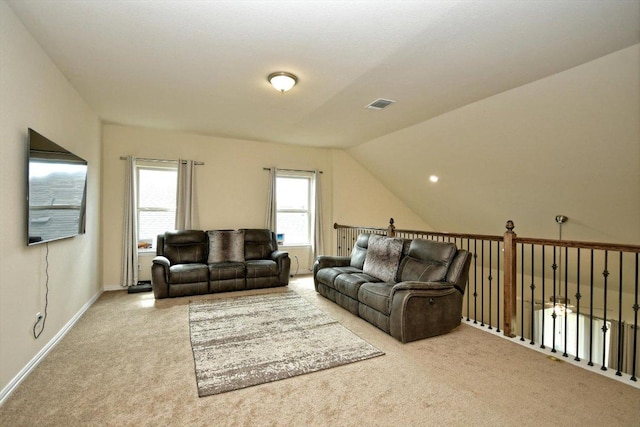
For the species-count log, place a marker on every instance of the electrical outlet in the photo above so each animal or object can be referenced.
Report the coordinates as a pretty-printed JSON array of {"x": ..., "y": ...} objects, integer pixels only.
[{"x": 38, "y": 317}]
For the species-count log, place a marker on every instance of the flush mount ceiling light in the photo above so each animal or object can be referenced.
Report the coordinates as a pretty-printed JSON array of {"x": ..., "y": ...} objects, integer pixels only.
[
  {"x": 282, "y": 81},
  {"x": 434, "y": 178}
]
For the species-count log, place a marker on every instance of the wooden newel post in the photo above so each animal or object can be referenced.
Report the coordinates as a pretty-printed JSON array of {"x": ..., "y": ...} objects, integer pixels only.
[
  {"x": 510, "y": 261},
  {"x": 391, "y": 229}
]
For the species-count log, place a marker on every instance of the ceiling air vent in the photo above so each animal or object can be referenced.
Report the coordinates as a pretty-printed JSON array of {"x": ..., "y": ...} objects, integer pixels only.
[{"x": 380, "y": 103}]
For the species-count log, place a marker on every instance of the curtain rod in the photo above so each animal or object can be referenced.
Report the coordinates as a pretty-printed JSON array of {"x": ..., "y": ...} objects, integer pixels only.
[
  {"x": 291, "y": 170},
  {"x": 159, "y": 160}
]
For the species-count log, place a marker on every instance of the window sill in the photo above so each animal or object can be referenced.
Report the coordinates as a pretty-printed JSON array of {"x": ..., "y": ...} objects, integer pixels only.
[
  {"x": 147, "y": 252},
  {"x": 293, "y": 246}
]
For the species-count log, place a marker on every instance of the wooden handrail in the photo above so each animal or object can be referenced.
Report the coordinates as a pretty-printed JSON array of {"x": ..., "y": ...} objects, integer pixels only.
[
  {"x": 526, "y": 240},
  {"x": 578, "y": 244},
  {"x": 431, "y": 233},
  {"x": 336, "y": 226}
]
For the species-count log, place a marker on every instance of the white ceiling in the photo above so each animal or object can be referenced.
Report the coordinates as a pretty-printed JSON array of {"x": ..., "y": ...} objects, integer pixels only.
[{"x": 201, "y": 66}]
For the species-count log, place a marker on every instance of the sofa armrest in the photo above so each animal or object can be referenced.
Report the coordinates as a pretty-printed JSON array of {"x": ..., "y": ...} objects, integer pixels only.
[
  {"x": 328, "y": 261},
  {"x": 160, "y": 277},
  {"x": 324, "y": 261},
  {"x": 423, "y": 309},
  {"x": 422, "y": 289},
  {"x": 421, "y": 286},
  {"x": 276, "y": 255}
]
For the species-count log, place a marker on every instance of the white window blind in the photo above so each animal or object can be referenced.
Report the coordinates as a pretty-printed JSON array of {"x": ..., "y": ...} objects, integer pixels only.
[
  {"x": 294, "y": 207},
  {"x": 157, "y": 187}
]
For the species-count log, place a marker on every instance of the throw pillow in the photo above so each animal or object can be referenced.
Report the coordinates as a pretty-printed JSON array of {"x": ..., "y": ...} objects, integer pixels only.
[
  {"x": 383, "y": 256},
  {"x": 226, "y": 246}
]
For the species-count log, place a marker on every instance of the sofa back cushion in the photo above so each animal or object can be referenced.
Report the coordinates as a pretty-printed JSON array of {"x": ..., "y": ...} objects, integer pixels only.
[
  {"x": 226, "y": 246},
  {"x": 259, "y": 243},
  {"x": 458, "y": 273},
  {"x": 383, "y": 257},
  {"x": 186, "y": 246},
  {"x": 427, "y": 261},
  {"x": 359, "y": 251}
]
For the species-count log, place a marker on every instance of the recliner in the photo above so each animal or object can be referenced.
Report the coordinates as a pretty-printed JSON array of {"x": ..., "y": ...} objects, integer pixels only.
[
  {"x": 424, "y": 298},
  {"x": 181, "y": 266}
]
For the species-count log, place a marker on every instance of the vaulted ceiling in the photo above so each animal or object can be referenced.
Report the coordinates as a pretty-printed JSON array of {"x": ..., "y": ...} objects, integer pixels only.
[
  {"x": 201, "y": 66},
  {"x": 508, "y": 101}
]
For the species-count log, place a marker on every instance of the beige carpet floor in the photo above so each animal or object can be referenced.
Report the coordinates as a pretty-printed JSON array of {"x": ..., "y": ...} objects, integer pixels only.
[{"x": 128, "y": 362}]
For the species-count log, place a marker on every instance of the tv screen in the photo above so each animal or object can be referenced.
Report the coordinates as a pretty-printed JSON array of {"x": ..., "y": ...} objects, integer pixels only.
[{"x": 56, "y": 194}]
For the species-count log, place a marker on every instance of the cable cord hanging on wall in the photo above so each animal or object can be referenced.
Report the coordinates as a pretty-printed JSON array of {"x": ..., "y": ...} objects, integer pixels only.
[{"x": 36, "y": 335}]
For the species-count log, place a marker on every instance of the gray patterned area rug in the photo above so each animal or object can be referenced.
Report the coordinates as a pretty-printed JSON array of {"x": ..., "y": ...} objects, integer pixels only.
[{"x": 244, "y": 341}]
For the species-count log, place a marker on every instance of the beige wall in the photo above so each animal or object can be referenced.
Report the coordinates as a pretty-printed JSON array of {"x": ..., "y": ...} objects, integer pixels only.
[
  {"x": 33, "y": 93},
  {"x": 360, "y": 199},
  {"x": 232, "y": 187},
  {"x": 568, "y": 144}
]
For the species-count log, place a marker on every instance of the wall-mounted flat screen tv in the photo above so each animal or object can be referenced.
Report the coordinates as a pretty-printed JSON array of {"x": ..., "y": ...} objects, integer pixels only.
[{"x": 56, "y": 192}]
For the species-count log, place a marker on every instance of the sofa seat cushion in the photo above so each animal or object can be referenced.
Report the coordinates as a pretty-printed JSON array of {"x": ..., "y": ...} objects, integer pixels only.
[
  {"x": 376, "y": 296},
  {"x": 261, "y": 268},
  {"x": 328, "y": 275},
  {"x": 226, "y": 270},
  {"x": 348, "y": 284},
  {"x": 188, "y": 273}
]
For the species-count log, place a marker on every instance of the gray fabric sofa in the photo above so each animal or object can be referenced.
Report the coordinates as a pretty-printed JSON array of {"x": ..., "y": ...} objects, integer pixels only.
[
  {"x": 411, "y": 289},
  {"x": 191, "y": 262}
]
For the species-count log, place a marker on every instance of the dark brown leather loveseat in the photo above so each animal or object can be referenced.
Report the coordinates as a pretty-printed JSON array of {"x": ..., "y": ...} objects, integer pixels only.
[
  {"x": 191, "y": 262},
  {"x": 411, "y": 289}
]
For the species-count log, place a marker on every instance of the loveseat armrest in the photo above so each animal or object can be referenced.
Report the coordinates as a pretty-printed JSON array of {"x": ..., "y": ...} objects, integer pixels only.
[
  {"x": 275, "y": 255},
  {"x": 284, "y": 266},
  {"x": 162, "y": 260},
  {"x": 160, "y": 276}
]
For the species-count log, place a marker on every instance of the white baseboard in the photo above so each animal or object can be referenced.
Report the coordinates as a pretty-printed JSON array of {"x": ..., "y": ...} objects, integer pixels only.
[
  {"x": 109, "y": 288},
  {"x": 609, "y": 373},
  {"x": 15, "y": 382}
]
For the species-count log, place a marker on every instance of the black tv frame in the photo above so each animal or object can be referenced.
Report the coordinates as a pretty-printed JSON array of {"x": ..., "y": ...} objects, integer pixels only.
[{"x": 41, "y": 150}]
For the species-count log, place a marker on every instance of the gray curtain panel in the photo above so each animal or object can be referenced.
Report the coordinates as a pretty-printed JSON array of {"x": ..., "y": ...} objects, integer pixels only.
[{"x": 130, "y": 228}]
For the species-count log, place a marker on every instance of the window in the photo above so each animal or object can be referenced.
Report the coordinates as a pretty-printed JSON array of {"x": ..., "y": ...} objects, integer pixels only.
[
  {"x": 157, "y": 188},
  {"x": 294, "y": 193}
]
